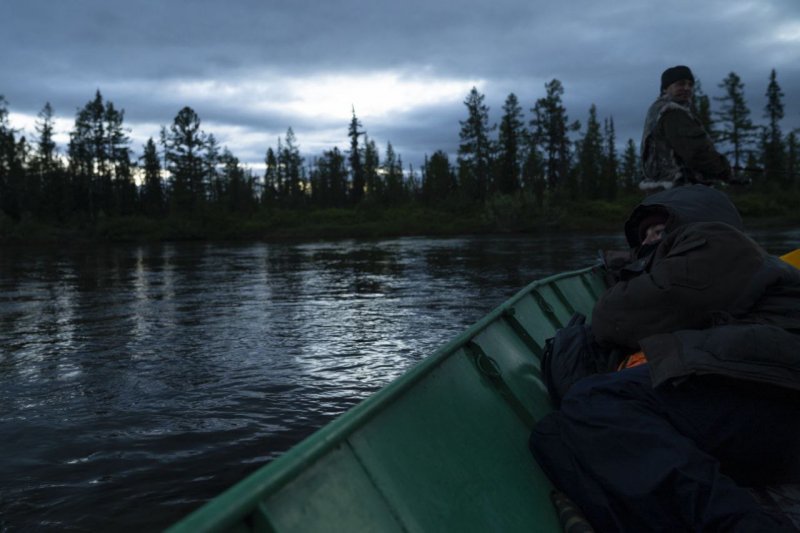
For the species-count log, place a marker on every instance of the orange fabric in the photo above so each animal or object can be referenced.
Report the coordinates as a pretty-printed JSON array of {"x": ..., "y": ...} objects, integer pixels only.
[
  {"x": 634, "y": 359},
  {"x": 793, "y": 258}
]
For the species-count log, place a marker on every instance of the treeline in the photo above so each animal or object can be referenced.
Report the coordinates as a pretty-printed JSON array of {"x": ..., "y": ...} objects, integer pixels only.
[{"x": 545, "y": 158}]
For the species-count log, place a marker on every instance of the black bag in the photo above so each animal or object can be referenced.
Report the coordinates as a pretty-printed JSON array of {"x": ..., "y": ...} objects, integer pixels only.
[{"x": 571, "y": 355}]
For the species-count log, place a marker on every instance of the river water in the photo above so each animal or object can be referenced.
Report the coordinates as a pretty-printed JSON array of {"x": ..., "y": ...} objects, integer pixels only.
[{"x": 138, "y": 381}]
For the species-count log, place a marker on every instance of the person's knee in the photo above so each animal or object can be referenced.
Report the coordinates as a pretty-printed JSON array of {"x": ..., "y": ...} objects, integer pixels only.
[
  {"x": 603, "y": 395},
  {"x": 588, "y": 397}
]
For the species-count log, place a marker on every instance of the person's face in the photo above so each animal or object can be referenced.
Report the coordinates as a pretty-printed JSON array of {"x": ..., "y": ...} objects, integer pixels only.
[
  {"x": 654, "y": 234},
  {"x": 681, "y": 90}
]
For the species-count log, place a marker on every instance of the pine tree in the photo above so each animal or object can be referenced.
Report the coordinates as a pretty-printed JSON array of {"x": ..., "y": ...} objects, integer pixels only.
[
  {"x": 99, "y": 160},
  {"x": 511, "y": 138},
  {"x": 95, "y": 111},
  {"x": 237, "y": 191},
  {"x": 185, "y": 149},
  {"x": 590, "y": 161},
  {"x": 11, "y": 167},
  {"x": 475, "y": 149},
  {"x": 30, "y": 188},
  {"x": 533, "y": 173},
  {"x": 549, "y": 130},
  {"x": 293, "y": 171},
  {"x": 610, "y": 161},
  {"x": 413, "y": 185},
  {"x": 772, "y": 144},
  {"x": 792, "y": 160},
  {"x": 119, "y": 161},
  {"x": 46, "y": 164},
  {"x": 88, "y": 161},
  {"x": 631, "y": 167},
  {"x": 269, "y": 194},
  {"x": 329, "y": 187},
  {"x": 214, "y": 183},
  {"x": 280, "y": 175},
  {"x": 46, "y": 158},
  {"x": 438, "y": 181},
  {"x": 354, "y": 158},
  {"x": 372, "y": 178},
  {"x": 702, "y": 104},
  {"x": 733, "y": 120},
  {"x": 393, "y": 176},
  {"x": 152, "y": 200}
]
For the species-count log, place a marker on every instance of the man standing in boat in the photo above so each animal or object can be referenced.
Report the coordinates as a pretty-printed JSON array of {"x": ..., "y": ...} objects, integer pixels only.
[
  {"x": 676, "y": 149},
  {"x": 670, "y": 444}
]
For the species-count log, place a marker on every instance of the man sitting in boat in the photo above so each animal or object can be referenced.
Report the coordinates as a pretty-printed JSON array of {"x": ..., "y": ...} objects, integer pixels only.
[
  {"x": 671, "y": 444},
  {"x": 675, "y": 148}
]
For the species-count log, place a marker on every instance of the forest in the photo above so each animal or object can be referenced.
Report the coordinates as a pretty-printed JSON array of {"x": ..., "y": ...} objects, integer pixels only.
[{"x": 521, "y": 174}]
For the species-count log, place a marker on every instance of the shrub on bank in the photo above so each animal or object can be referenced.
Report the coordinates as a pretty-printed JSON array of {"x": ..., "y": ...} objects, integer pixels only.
[{"x": 454, "y": 216}]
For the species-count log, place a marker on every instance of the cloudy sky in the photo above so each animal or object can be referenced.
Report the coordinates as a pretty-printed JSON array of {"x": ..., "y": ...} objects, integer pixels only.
[{"x": 251, "y": 69}]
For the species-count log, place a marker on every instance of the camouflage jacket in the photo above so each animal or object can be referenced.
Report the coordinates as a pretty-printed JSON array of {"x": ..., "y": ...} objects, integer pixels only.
[{"x": 676, "y": 149}]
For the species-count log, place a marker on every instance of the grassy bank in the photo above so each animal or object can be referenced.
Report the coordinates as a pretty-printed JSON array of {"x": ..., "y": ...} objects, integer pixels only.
[{"x": 500, "y": 214}]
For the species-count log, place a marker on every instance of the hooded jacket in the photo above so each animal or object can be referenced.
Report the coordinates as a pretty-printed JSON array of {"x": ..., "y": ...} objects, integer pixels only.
[{"x": 707, "y": 300}]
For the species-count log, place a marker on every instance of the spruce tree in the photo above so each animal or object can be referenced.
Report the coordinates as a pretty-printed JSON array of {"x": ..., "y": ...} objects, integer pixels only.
[
  {"x": 792, "y": 160},
  {"x": 293, "y": 171},
  {"x": 46, "y": 158},
  {"x": 511, "y": 139},
  {"x": 354, "y": 158},
  {"x": 413, "y": 186},
  {"x": 631, "y": 167},
  {"x": 47, "y": 166},
  {"x": 610, "y": 161},
  {"x": 772, "y": 144},
  {"x": 734, "y": 127},
  {"x": 475, "y": 149},
  {"x": 119, "y": 161},
  {"x": 438, "y": 181},
  {"x": 533, "y": 173},
  {"x": 373, "y": 180},
  {"x": 238, "y": 194},
  {"x": 550, "y": 129},
  {"x": 269, "y": 195},
  {"x": 331, "y": 180},
  {"x": 11, "y": 167},
  {"x": 393, "y": 176},
  {"x": 214, "y": 183},
  {"x": 186, "y": 154},
  {"x": 99, "y": 159},
  {"x": 590, "y": 162},
  {"x": 702, "y": 105},
  {"x": 152, "y": 193},
  {"x": 280, "y": 175},
  {"x": 87, "y": 158}
]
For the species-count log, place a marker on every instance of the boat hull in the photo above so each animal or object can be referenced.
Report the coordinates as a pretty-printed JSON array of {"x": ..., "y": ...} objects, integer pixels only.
[{"x": 442, "y": 448}]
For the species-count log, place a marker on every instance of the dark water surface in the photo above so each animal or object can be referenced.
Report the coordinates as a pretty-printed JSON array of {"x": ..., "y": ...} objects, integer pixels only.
[{"x": 137, "y": 382}]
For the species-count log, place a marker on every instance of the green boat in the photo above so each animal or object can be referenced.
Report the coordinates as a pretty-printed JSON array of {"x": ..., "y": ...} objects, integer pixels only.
[{"x": 443, "y": 447}]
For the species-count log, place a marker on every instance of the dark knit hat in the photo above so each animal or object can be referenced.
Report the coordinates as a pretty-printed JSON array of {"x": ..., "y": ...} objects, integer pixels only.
[{"x": 671, "y": 75}]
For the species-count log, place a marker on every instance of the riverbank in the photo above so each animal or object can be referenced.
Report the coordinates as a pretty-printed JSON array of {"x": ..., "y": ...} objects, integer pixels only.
[{"x": 500, "y": 214}]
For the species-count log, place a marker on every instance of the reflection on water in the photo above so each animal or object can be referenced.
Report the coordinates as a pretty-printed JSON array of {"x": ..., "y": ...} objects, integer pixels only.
[{"x": 138, "y": 381}]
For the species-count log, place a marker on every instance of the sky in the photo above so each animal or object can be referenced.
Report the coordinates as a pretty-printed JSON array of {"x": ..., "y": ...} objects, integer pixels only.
[{"x": 251, "y": 69}]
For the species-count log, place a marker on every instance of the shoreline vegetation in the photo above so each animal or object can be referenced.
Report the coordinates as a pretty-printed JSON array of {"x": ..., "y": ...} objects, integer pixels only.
[
  {"x": 502, "y": 214},
  {"x": 527, "y": 174}
]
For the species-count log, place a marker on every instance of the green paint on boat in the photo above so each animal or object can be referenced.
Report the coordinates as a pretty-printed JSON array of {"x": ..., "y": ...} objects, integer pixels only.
[{"x": 442, "y": 448}]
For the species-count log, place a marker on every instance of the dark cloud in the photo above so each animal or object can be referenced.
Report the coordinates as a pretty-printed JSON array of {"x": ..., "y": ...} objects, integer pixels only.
[{"x": 142, "y": 55}]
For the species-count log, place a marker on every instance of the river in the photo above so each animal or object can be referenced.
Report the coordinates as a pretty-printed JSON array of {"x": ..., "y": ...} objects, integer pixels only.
[{"x": 138, "y": 381}]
